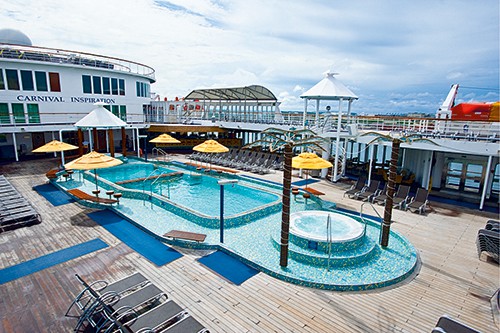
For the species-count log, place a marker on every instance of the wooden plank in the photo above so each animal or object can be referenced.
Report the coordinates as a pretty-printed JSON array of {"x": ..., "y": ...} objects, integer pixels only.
[{"x": 186, "y": 235}]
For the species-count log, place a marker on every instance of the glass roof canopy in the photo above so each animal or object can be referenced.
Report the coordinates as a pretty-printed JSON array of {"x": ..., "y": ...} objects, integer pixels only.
[{"x": 252, "y": 93}]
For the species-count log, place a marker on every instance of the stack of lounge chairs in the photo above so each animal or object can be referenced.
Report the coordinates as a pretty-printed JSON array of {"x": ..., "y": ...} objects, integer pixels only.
[
  {"x": 243, "y": 159},
  {"x": 132, "y": 304},
  {"x": 488, "y": 240},
  {"x": 15, "y": 210}
]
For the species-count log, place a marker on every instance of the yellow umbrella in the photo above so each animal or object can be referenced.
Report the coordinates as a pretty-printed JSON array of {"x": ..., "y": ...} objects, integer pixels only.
[
  {"x": 54, "y": 146},
  {"x": 310, "y": 161},
  {"x": 93, "y": 160},
  {"x": 164, "y": 138},
  {"x": 211, "y": 146}
]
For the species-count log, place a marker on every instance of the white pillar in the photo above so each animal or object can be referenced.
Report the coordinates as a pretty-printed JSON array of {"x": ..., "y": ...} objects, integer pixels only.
[
  {"x": 14, "y": 141},
  {"x": 486, "y": 180},
  {"x": 62, "y": 152},
  {"x": 337, "y": 147},
  {"x": 305, "y": 112},
  {"x": 325, "y": 154},
  {"x": 429, "y": 172},
  {"x": 372, "y": 150},
  {"x": 138, "y": 143},
  {"x": 316, "y": 118}
]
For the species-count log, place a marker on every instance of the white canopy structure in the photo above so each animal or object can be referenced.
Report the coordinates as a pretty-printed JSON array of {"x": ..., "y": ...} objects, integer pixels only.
[
  {"x": 101, "y": 118},
  {"x": 329, "y": 89}
]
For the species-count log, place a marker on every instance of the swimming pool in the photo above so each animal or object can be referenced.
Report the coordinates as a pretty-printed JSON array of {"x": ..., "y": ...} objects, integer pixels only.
[
  {"x": 256, "y": 242},
  {"x": 192, "y": 190}
]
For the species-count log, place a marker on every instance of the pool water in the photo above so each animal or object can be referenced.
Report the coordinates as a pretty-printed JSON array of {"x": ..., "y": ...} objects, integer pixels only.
[
  {"x": 195, "y": 191},
  {"x": 363, "y": 267},
  {"x": 313, "y": 225}
]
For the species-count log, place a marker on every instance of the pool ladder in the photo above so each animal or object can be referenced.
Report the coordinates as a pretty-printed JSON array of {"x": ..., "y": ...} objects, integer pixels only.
[
  {"x": 329, "y": 230},
  {"x": 161, "y": 152},
  {"x": 329, "y": 240},
  {"x": 361, "y": 215},
  {"x": 151, "y": 185}
]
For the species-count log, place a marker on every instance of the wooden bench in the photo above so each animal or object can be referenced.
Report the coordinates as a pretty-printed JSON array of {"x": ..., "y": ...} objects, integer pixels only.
[
  {"x": 313, "y": 191},
  {"x": 79, "y": 194},
  {"x": 186, "y": 235},
  {"x": 52, "y": 174}
]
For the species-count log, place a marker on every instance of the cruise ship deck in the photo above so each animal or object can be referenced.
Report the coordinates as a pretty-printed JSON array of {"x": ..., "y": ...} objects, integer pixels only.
[{"x": 452, "y": 279}]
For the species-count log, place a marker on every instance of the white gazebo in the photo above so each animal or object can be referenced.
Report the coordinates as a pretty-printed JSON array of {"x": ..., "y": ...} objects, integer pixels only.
[
  {"x": 101, "y": 118},
  {"x": 329, "y": 89}
]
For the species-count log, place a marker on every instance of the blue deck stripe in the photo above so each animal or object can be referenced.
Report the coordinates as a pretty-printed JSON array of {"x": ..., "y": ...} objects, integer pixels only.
[
  {"x": 228, "y": 267},
  {"x": 55, "y": 196},
  {"x": 32, "y": 266},
  {"x": 138, "y": 240}
]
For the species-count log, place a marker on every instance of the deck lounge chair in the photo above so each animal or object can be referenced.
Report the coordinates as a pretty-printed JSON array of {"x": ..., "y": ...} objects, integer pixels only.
[
  {"x": 358, "y": 187},
  {"x": 380, "y": 196},
  {"x": 446, "y": 324},
  {"x": 401, "y": 196},
  {"x": 151, "y": 320},
  {"x": 488, "y": 241},
  {"x": 97, "y": 288},
  {"x": 369, "y": 192},
  {"x": 186, "y": 325},
  {"x": 419, "y": 202}
]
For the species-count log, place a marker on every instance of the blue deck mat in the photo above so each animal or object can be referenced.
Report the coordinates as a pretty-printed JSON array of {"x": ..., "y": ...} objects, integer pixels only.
[
  {"x": 32, "y": 266},
  {"x": 228, "y": 267},
  {"x": 138, "y": 240},
  {"x": 55, "y": 196},
  {"x": 305, "y": 181}
]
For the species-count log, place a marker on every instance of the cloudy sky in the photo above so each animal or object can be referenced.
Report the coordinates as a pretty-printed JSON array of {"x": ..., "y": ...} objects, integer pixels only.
[{"x": 398, "y": 56}]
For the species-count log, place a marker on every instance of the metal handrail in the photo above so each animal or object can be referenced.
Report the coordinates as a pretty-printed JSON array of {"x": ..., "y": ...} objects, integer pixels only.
[
  {"x": 361, "y": 214},
  {"x": 158, "y": 152}
]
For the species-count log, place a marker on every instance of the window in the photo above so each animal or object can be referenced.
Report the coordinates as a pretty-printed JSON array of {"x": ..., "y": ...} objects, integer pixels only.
[
  {"x": 105, "y": 86},
  {"x": 4, "y": 113},
  {"x": 495, "y": 186},
  {"x": 2, "y": 83},
  {"x": 33, "y": 114},
  {"x": 121, "y": 84},
  {"x": 115, "y": 110},
  {"x": 55, "y": 84},
  {"x": 87, "y": 86},
  {"x": 96, "y": 80},
  {"x": 41, "y": 81},
  {"x": 123, "y": 112},
  {"x": 18, "y": 113},
  {"x": 27, "y": 80},
  {"x": 142, "y": 89},
  {"x": 114, "y": 86},
  {"x": 12, "y": 79}
]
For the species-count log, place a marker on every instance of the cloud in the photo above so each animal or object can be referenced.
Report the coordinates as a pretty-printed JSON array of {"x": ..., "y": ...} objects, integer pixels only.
[{"x": 381, "y": 49}]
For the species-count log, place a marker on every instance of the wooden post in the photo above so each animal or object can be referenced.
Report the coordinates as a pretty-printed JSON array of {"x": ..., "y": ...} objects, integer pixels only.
[
  {"x": 124, "y": 143},
  {"x": 111, "y": 142},
  {"x": 80, "y": 142}
]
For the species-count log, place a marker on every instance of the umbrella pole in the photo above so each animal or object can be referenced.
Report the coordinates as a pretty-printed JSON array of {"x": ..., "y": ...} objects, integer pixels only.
[{"x": 96, "y": 187}]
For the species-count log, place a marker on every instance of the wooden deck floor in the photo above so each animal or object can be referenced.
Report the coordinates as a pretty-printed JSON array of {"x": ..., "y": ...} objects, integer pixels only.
[{"x": 452, "y": 279}]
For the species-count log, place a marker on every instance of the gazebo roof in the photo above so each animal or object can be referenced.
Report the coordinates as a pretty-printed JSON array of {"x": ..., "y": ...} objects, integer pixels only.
[
  {"x": 249, "y": 93},
  {"x": 329, "y": 89},
  {"x": 100, "y": 117}
]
